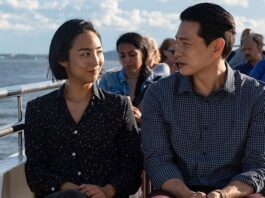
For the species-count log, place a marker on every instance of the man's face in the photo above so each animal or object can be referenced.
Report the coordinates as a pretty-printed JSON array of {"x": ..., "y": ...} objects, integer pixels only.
[
  {"x": 251, "y": 50},
  {"x": 191, "y": 52}
]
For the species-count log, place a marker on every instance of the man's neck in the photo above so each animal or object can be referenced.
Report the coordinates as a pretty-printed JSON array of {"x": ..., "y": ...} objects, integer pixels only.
[
  {"x": 212, "y": 79},
  {"x": 254, "y": 62}
]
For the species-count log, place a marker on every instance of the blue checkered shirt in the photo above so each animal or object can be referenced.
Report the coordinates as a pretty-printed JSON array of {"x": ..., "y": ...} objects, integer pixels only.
[{"x": 205, "y": 141}]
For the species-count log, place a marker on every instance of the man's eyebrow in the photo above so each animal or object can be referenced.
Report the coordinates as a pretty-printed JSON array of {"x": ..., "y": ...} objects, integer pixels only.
[{"x": 182, "y": 38}]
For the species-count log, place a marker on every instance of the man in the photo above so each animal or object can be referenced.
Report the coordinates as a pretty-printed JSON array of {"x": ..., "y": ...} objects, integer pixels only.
[
  {"x": 203, "y": 127},
  {"x": 237, "y": 57},
  {"x": 253, "y": 48}
]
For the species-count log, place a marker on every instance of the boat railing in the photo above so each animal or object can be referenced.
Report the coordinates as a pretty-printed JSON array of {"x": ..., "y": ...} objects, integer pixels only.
[
  {"x": 18, "y": 91},
  {"x": 12, "y": 177}
]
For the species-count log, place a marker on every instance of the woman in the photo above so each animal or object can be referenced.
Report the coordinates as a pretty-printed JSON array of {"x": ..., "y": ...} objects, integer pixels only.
[
  {"x": 167, "y": 49},
  {"x": 134, "y": 77},
  {"x": 154, "y": 57},
  {"x": 81, "y": 141}
]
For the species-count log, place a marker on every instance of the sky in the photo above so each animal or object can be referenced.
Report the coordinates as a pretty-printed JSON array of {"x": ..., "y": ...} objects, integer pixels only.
[{"x": 27, "y": 26}]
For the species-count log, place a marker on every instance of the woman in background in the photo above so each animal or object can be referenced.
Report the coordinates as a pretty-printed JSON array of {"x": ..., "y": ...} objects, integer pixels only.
[
  {"x": 81, "y": 141},
  {"x": 167, "y": 49},
  {"x": 135, "y": 76},
  {"x": 154, "y": 57}
]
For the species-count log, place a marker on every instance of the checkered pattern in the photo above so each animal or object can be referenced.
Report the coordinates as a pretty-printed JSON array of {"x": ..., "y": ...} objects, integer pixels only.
[{"x": 205, "y": 141}]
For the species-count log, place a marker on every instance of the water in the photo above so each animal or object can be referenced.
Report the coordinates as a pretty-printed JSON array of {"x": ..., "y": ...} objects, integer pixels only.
[{"x": 22, "y": 71}]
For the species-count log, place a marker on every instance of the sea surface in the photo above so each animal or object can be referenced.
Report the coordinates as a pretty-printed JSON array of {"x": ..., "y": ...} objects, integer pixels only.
[{"x": 22, "y": 71}]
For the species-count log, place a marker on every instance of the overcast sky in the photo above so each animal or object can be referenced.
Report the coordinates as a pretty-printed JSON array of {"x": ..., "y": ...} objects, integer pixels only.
[{"x": 27, "y": 26}]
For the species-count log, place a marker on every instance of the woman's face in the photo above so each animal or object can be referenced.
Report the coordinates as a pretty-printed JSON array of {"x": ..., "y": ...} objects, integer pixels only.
[
  {"x": 130, "y": 57},
  {"x": 170, "y": 58},
  {"x": 85, "y": 58}
]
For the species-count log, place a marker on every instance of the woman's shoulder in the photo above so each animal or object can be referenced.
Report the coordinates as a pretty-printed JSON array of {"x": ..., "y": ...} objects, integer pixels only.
[
  {"x": 113, "y": 100},
  {"x": 162, "y": 69},
  {"x": 109, "y": 96},
  {"x": 45, "y": 100},
  {"x": 115, "y": 72}
]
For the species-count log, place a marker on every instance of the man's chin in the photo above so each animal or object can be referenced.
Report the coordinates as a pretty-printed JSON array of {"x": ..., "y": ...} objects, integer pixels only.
[{"x": 184, "y": 72}]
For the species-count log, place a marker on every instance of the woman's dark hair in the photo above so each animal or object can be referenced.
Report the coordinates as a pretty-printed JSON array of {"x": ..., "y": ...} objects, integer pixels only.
[
  {"x": 138, "y": 42},
  {"x": 215, "y": 22},
  {"x": 62, "y": 42}
]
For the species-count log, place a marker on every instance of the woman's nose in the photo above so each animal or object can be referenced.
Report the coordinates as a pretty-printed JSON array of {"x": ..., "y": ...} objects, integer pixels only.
[{"x": 95, "y": 60}]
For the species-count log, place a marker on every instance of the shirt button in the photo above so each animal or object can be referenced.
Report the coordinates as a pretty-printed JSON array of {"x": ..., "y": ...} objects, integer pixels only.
[
  {"x": 52, "y": 189},
  {"x": 75, "y": 131},
  {"x": 79, "y": 173},
  {"x": 73, "y": 154}
]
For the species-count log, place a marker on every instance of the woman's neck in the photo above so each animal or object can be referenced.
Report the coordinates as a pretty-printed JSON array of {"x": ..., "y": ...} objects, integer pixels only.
[
  {"x": 132, "y": 74},
  {"x": 76, "y": 93}
]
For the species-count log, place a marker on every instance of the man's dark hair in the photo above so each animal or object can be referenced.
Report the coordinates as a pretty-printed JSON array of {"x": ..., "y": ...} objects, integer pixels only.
[{"x": 215, "y": 22}]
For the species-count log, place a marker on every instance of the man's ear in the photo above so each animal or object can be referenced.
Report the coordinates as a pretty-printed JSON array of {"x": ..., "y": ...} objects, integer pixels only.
[{"x": 218, "y": 47}]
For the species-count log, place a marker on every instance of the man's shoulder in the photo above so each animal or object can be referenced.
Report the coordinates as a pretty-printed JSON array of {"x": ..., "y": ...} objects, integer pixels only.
[
  {"x": 260, "y": 64},
  {"x": 242, "y": 65},
  {"x": 165, "y": 84},
  {"x": 248, "y": 84}
]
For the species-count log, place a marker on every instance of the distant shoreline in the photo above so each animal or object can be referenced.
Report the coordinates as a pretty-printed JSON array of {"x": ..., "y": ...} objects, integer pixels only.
[{"x": 109, "y": 55}]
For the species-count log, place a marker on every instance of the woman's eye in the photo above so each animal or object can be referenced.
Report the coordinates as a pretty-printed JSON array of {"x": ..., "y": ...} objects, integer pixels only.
[
  {"x": 121, "y": 56},
  {"x": 132, "y": 55}
]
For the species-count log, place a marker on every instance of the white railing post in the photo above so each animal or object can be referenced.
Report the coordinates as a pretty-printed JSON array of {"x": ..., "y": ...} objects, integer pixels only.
[{"x": 20, "y": 117}]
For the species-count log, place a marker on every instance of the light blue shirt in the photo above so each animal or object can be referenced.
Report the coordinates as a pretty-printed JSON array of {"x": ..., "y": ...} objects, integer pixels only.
[
  {"x": 115, "y": 82},
  {"x": 162, "y": 69}
]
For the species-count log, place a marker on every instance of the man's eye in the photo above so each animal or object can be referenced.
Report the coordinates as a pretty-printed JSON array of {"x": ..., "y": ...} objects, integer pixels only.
[{"x": 85, "y": 54}]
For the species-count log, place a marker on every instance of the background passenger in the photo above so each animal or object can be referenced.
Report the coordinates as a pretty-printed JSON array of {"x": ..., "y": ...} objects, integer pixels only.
[
  {"x": 237, "y": 57},
  {"x": 81, "y": 141},
  {"x": 258, "y": 72},
  {"x": 167, "y": 49},
  {"x": 153, "y": 59},
  {"x": 135, "y": 76},
  {"x": 253, "y": 49}
]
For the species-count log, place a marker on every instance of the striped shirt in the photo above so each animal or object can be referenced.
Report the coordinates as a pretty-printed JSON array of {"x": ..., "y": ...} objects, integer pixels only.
[{"x": 205, "y": 141}]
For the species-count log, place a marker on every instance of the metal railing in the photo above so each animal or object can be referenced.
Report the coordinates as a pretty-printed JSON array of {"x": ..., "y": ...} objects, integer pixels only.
[{"x": 18, "y": 91}]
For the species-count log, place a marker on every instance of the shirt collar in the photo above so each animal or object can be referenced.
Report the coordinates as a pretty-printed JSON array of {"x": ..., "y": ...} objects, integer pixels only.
[
  {"x": 229, "y": 85},
  {"x": 185, "y": 85},
  {"x": 96, "y": 91}
]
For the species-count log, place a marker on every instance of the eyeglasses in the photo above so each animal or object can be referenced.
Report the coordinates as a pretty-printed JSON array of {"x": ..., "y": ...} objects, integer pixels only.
[{"x": 172, "y": 51}]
